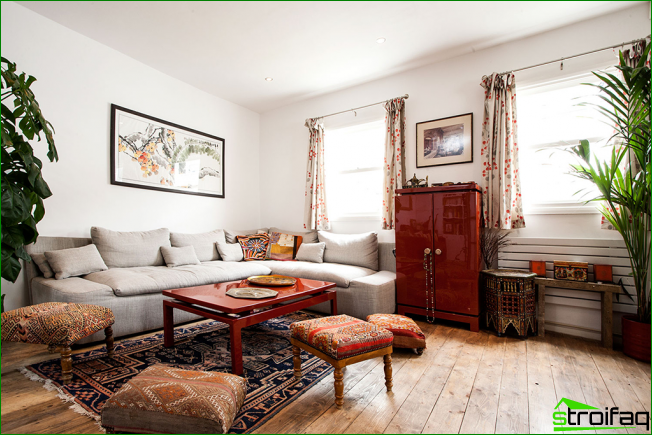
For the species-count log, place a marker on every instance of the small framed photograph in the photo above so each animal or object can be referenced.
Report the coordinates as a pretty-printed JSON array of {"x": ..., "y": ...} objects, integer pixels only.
[
  {"x": 445, "y": 141},
  {"x": 149, "y": 153}
]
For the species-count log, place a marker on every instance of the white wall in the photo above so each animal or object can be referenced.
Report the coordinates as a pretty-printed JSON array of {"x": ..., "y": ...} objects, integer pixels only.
[
  {"x": 440, "y": 90},
  {"x": 78, "y": 79}
]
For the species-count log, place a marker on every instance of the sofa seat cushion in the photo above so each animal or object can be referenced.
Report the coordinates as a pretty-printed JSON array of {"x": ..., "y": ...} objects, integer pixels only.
[
  {"x": 153, "y": 279},
  {"x": 340, "y": 274}
]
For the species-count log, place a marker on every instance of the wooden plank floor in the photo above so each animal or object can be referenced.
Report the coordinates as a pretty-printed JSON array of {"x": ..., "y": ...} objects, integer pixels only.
[{"x": 463, "y": 383}]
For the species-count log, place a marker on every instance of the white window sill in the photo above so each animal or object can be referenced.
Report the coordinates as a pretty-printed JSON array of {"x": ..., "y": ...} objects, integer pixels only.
[
  {"x": 561, "y": 208},
  {"x": 354, "y": 218}
]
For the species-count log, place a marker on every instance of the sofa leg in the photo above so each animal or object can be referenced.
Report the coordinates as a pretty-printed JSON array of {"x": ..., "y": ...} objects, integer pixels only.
[
  {"x": 339, "y": 387},
  {"x": 66, "y": 364},
  {"x": 108, "y": 332},
  {"x": 296, "y": 358},
  {"x": 388, "y": 372}
]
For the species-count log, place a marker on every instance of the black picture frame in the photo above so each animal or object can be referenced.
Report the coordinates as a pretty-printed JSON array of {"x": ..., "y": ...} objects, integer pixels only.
[
  {"x": 209, "y": 142},
  {"x": 436, "y": 129}
]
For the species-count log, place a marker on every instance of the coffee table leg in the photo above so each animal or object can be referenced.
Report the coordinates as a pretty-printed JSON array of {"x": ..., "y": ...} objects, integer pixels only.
[
  {"x": 168, "y": 325},
  {"x": 236, "y": 350},
  {"x": 334, "y": 305}
]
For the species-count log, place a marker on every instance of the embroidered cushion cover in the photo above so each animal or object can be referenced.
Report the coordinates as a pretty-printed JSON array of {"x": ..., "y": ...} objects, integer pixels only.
[
  {"x": 341, "y": 336},
  {"x": 283, "y": 246},
  {"x": 54, "y": 323},
  {"x": 165, "y": 399},
  {"x": 254, "y": 247},
  {"x": 406, "y": 332}
]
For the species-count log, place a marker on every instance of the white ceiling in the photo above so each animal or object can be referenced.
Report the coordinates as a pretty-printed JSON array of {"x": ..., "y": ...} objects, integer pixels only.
[{"x": 309, "y": 48}]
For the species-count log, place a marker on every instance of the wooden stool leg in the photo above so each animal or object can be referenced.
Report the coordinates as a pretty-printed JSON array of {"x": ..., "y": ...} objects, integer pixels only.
[
  {"x": 339, "y": 387},
  {"x": 108, "y": 332},
  {"x": 296, "y": 351},
  {"x": 66, "y": 364},
  {"x": 388, "y": 372},
  {"x": 52, "y": 348}
]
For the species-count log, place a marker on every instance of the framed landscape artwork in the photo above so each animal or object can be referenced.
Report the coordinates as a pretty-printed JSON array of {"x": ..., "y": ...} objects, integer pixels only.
[
  {"x": 445, "y": 141},
  {"x": 150, "y": 153}
]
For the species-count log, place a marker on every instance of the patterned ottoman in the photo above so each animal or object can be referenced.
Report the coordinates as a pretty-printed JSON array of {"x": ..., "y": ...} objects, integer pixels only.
[
  {"x": 59, "y": 325},
  {"x": 341, "y": 341},
  {"x": 407, "y": 333},
  {"x": 165, "y": 399}
]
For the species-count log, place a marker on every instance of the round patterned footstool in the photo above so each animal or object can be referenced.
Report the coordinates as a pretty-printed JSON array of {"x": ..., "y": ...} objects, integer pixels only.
[
  {"x": 164, "y": 399},
  {"x": 407, "y": 333}
]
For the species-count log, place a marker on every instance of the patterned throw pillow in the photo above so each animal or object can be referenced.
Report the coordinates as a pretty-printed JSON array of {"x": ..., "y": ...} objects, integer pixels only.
[
  {"x": 254, "y": 247},
  {"x": 283, "y": 246}
]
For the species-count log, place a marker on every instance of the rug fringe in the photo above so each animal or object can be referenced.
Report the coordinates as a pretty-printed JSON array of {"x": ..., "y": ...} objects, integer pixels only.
[{"x": 62, "y": 395}]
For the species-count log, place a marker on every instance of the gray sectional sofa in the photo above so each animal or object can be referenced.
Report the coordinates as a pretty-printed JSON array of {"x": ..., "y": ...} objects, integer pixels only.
[{"x": 133, "y": 290}]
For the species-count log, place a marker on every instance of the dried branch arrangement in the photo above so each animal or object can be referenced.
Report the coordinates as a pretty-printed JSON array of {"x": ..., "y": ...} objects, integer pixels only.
[{"x": 492, "y": 240}]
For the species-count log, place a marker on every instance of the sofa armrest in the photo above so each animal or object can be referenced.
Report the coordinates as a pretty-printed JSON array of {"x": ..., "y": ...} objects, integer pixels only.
[
  {"x": 377, "y": 292},
  {"x": 74, "y": 290}
]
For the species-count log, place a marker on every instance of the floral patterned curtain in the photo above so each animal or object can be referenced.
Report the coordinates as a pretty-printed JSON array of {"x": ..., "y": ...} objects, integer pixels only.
[
  {"x": 501, "y": 185},
  {"x": 394, "y": 157},
  {"x": 315, "y": 216}
]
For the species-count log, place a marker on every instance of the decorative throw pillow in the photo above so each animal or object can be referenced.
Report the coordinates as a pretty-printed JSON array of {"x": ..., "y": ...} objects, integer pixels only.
[
  {"x": 308, "y": 236},
  {"x": 354, "y": 249},
  {"x": 229, "y": 251},
  {"x": 254, "y": 247},
  {"x": 313, "y": 252},
  {"x": 283, "y": 246},
  {"x": 179, "y": 256},
  {"x": 204, "y": 243},
  {"x": 43, "y": 265},
  {"x": 75, "y": 261},
  {"x": 230, "y": 235}
]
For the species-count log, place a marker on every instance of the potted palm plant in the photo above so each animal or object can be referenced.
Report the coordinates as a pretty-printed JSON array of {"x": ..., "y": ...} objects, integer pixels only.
[{"x": 623, "y": 182}]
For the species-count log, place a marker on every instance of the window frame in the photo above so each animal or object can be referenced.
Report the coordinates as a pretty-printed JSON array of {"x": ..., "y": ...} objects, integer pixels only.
[
  {"x": 560, "y": 207},
  {"x": 352, "y": 217}
]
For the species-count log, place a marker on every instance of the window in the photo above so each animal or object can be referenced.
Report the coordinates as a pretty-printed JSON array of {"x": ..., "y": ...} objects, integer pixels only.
[
  {"x": 353, "y": 162},
  {"x": 549, "y": 121}
]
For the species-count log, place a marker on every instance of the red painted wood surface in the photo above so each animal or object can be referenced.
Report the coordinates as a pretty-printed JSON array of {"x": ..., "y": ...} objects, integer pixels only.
[
  {"x": 214, "y": 296},
  {"x": 446, "y": 220}
]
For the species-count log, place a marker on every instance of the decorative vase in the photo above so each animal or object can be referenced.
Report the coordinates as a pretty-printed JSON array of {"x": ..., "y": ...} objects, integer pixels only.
[{"x": 636, "y": 338}]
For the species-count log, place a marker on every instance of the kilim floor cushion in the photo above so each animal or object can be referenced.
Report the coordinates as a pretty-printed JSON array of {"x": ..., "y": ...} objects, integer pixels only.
[
  {"x": 165, "y": 399},
  {"x": 268, "y": 364},
  {"x": 341, "y": 336},
  {"x": 407, "y": 333}
]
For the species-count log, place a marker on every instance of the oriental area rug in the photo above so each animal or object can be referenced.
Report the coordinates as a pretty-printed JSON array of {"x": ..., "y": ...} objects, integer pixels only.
[{"x": 267, "y": 355}]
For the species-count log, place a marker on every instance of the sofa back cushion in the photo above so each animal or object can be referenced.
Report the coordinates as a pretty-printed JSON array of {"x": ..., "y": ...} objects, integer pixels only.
[
  {"x": 308, "y": 236},
  {"x": 355, "y": 249},
  {"x": 131, "y": 249},
  {"x": 204, "y": 243}
]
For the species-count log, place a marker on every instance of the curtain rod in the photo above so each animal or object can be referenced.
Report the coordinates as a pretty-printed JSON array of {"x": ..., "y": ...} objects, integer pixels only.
[
  {"x": 406, "y": 96},
  {"x": 576, "y": 55}
]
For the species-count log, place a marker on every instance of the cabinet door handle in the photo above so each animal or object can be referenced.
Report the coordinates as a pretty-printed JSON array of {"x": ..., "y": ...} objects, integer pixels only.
[
  {"x": 426, "y": 251},
  {"x": 437, "y": 251}
]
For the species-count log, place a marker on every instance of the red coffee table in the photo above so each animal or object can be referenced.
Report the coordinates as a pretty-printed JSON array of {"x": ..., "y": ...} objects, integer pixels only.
[{"x": 211, "y": 301}]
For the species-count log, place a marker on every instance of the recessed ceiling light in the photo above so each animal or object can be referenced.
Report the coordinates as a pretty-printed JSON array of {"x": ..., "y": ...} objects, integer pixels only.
[
  {"x": 381, "y": 40},
  {"x": 268, "y": 79}
]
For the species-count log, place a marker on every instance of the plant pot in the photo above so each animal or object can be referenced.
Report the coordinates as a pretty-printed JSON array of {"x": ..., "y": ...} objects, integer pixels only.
[{"x": 636, "y": 338}]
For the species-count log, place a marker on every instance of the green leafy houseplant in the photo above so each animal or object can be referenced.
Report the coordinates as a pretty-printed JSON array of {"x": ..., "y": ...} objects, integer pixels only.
[
  {"x": 623, "y": 180},
  {"x": 23, "y": 186}
]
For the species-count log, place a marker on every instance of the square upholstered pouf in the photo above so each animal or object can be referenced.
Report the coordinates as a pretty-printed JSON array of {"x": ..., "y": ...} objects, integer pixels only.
[
  {"x": 407, "y": 333},
  {"x": 169, "y": 400}
]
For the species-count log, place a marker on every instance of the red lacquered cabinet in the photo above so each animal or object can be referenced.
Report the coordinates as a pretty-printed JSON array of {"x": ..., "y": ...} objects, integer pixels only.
[{"x": 438, "y": 252}]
